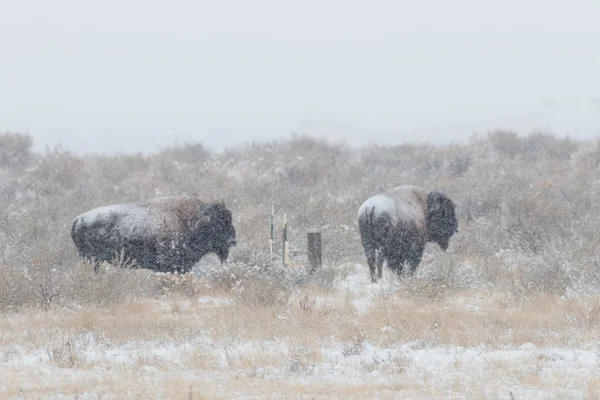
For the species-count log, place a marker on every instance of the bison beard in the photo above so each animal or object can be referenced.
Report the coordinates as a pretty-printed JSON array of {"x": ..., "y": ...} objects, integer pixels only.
[
  {"x": 395, "y": 227},
  {"x": 165, "y": 234}
]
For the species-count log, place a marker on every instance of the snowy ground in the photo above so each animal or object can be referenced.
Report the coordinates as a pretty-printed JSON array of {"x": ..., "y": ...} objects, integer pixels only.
[{"x": 348, "y": 344}]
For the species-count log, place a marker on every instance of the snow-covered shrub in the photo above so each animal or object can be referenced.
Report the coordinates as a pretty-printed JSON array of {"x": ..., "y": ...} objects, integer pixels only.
[{"x": 535, "y": 195}]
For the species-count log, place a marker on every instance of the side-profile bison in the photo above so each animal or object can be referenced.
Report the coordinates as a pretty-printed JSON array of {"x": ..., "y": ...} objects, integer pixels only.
[
  {"x": 165, "y": 234},
  {"x": 395, "y": 226}
]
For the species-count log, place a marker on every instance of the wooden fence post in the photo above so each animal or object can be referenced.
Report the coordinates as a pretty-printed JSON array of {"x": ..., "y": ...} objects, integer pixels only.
[
  {"x": 314, "y": 249},
  {"x": 272, "y": 239},
  {"x": 285, "y": 241}
]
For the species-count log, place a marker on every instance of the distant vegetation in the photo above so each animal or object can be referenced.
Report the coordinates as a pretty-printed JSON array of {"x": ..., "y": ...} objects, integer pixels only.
[{"x": 527, "y": 206}]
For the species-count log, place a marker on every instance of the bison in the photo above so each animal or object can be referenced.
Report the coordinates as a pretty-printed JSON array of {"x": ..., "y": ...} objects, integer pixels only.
[
  {"x": 395, "y": 226},
  {"x": 164, "y": 234}
]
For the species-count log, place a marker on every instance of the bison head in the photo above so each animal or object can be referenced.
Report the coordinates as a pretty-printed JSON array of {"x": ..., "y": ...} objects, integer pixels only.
[
  {"x": 441, "y": 219},
  {"x": 216, "y": 222}
]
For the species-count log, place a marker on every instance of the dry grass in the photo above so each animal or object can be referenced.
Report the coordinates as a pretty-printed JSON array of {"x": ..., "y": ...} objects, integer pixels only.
[
  {"x": 222, "y": 348},
  {"x": 72, "y": 286}
]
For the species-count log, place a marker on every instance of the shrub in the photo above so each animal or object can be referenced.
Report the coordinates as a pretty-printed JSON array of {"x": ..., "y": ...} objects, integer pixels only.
[
  {"x": 15, "y": 150},
  {"x": 533, "y": 196}
]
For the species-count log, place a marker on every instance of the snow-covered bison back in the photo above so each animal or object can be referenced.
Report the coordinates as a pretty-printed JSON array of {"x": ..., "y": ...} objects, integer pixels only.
[
  {"x": 164, "y": 234},
  {"x": 395, "y": 226}
]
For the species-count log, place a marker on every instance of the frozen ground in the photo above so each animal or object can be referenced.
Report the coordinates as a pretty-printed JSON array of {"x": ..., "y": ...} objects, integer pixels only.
[{"x": 345, "y": 344}]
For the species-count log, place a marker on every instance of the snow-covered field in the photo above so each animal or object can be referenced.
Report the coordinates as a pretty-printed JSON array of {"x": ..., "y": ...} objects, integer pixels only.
[{"x": 360, "y": 340}]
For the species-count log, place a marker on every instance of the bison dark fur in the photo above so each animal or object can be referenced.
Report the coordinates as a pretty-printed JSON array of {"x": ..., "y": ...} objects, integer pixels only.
[
  {"x": 165, "y": 234},
  {"x": 396, "y": 225}
]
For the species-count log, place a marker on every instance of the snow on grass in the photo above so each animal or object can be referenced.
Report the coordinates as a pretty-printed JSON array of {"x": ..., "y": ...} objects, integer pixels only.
[
  {"x": 529, "y": 372},
  {"x": 218, "y": 354}
]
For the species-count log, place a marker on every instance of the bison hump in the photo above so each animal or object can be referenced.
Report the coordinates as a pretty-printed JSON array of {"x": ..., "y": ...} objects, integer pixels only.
[
  {"x": 411, "y": 202},
  {"x": 101, "y": 214},
  {"x": 379, "y": 205},
  {"x": 175, "y": 213},
  {"x": 162, "y": 216}
]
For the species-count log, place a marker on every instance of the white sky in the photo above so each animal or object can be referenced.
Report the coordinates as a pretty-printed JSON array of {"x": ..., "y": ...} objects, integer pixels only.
[{"x": 132, "y": 75}]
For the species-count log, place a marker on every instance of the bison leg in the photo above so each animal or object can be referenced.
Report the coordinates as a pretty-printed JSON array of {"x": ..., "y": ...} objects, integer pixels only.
[
  {"x": 396, "y": 263},
  {"x": 386, "y": 254},
  {"x": 184, "y": 269},
  {"x": 95, "y": 264},
  {"x": 379, "y": 260},
  {"x": 413, "y": 266},
  {"x": 415, "y": 259},
  {"x": 398, "y": 267},
  {"x": 371, "y": 260}
]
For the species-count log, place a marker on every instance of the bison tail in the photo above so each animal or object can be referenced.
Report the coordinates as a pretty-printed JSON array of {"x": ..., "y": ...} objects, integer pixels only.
[
  {"x": 375, "y": 228},
  {"x": 366, "y": 226}
]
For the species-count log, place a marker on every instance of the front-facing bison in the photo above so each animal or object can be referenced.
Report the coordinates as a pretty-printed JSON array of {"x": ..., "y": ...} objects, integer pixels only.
[
  {"x": 165, "y": 234},
  {"x": 395, "y": 226}
]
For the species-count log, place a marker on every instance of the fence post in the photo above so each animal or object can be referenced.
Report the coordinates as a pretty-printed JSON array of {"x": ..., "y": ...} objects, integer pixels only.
[
  {"x": 314, "y": 249},
  {"x": 272, "y": 239},
  {"x": 285, "y": 242}
]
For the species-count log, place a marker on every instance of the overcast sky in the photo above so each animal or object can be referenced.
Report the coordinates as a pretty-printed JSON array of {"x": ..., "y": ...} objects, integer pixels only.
[{"x": 133, "y": 75}]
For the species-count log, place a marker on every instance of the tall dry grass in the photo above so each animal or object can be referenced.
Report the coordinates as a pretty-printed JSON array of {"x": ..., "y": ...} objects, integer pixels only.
[{"x": 179, "y": 345}]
